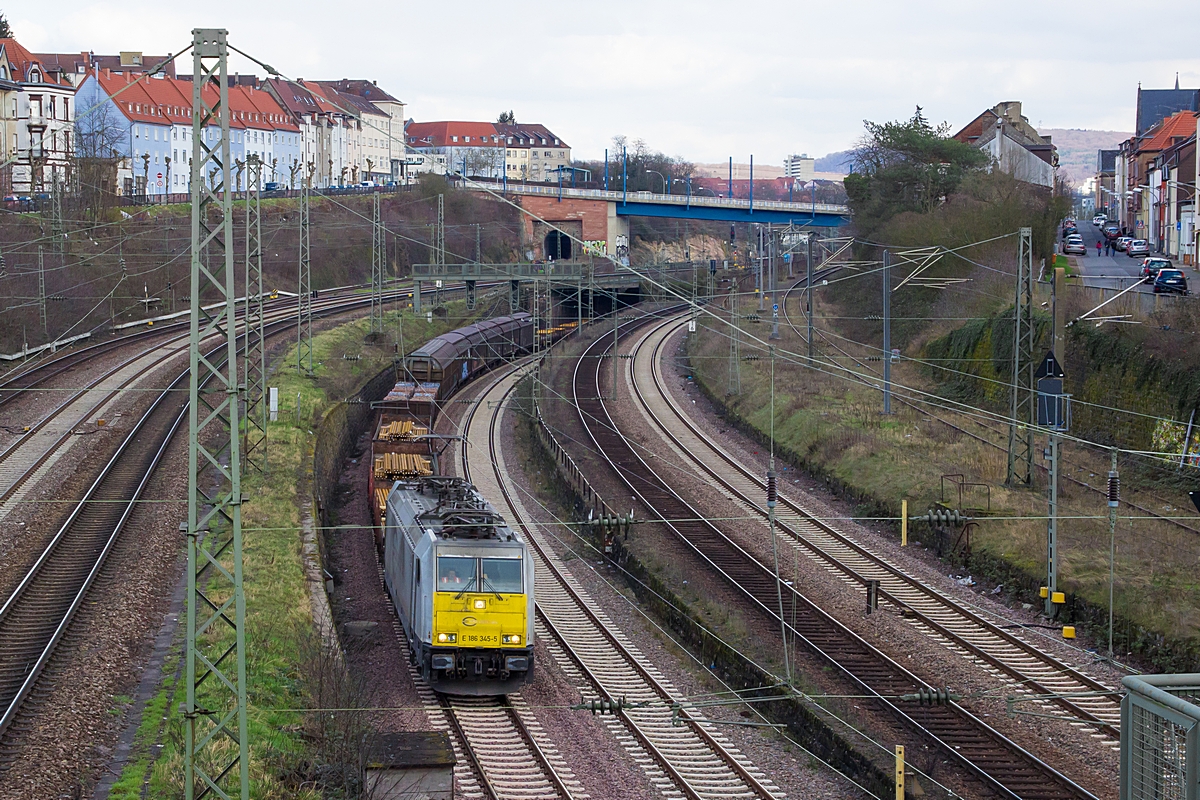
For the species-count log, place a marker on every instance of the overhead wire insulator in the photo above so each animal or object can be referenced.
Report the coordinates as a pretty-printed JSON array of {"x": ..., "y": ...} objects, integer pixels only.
[
  {"x": 1114, "y": 489},
  {"x": 772, "y": 492}
]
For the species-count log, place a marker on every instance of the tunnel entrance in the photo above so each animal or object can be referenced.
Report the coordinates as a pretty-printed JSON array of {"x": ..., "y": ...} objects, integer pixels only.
[{"x": 557, "y": 246}]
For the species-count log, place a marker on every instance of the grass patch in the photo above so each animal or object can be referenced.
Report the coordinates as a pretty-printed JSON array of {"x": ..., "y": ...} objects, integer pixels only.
[{"x": 833, "y": 428}]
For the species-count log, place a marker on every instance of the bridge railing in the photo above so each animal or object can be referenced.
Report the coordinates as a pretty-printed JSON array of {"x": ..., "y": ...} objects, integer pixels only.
[{"x": 653, "y": 197}]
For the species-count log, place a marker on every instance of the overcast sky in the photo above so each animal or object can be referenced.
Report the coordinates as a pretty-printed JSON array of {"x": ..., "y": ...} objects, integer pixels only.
[{"x": 700, "y": 79}]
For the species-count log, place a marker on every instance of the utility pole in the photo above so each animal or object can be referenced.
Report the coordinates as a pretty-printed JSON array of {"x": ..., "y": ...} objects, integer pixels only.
[
  {"x": 615, "y": 351},
  {"x": 887, "y": 332},
  {"x": 808, "y": 295},
  {"x": 762, "y": 289},
  {"x": 215, "y": 706},
  {"x": 1114, "y": 500},
  {"x": 772, "y": 496},
  {"x": 1053, "y": 455},
  {"x": 773, "y": 280},
  {"x": 735, "y": 367},
  {"x": 1021, "y": 401},
  {"x": 304, "y": 358},
  {"x": 42, "y": 290},
  {"x": 378, "y": 259},
  {"x": 254, "y": 371}
]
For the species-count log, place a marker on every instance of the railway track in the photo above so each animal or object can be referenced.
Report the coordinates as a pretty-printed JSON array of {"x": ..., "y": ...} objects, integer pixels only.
[
  {"x": 36, "y": 616},
  {"x": 935, "y": 614},
  {"x": 689, "y": 759},
  {"x": 977, "y": 751}
]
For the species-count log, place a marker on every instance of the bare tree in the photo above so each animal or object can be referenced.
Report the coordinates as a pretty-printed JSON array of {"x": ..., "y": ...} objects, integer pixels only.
[{"x": 99, "y": 135}]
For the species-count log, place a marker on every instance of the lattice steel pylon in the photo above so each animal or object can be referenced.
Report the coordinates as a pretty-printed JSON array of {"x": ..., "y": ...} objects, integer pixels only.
[
  {"x": 254, "y": 365},
  {"x": 378, "y": 260},
  {"x": 57, "y": 227},
  {"x": 1022, "y": 400},
  {"x": 42, "y": 291},
  {"x": 439, "y": 252},
  {"x": 215, "y": 709},
  {"x": 304, "y": 359}
]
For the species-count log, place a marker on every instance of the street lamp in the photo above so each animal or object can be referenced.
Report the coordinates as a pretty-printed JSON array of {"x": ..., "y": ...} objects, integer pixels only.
[{"x": 666, "y": 185}]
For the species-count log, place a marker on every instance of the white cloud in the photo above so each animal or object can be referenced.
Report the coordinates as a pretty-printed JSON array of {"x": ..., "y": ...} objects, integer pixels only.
[{"x": 703, "y": 79}]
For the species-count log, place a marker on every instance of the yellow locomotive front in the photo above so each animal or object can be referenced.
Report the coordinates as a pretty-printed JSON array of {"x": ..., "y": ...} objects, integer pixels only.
[{"x": 462, "y": 583}]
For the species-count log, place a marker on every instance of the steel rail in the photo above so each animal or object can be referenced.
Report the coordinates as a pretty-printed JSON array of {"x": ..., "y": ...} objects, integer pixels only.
[
  {"x": 66, "y": 569},
  {"x": 1083, "y": 682},
  {"x": 984, "y": 753},
  {"x": 710, "y": 743}
]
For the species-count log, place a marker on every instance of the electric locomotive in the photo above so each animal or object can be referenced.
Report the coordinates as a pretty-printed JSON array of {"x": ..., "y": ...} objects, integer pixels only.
[{"x": 462, "y": 584}]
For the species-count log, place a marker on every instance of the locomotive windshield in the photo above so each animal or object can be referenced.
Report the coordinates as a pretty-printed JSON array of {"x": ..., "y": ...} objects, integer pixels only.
[
  {"x": 462, "y": 574},
  {"x": 455, "y": 573},
  {"x": 502, "y": 575}
]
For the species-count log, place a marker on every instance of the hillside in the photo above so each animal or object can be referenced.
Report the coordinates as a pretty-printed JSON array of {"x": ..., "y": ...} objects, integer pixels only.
[{"x": 1077, "y": 149}]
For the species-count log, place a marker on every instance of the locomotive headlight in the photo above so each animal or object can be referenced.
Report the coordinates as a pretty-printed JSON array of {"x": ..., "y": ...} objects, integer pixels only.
[
  {"x": 447, "y": 637},
  {"x": 511, "y": 638},
  {"x": 480, "y": 604},
  {"x": 442, "y": 637}
]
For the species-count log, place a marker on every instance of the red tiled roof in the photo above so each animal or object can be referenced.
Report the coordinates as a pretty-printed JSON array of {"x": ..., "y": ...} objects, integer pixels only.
[
  {"x": 160, "y": 101},
  {"x": 1161, "y": 136},
  {"x": 71, "y": 62},
  {"x": 441, "y": 134},
  {"x": 270, "y": 110},
  {"x": 21, "y": 62}
]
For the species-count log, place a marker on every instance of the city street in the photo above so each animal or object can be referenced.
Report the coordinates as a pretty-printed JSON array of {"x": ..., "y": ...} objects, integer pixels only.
[{"x": 1115, "y": 271}]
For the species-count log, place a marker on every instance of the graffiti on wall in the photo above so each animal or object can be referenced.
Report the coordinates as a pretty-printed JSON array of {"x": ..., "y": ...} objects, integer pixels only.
[
  {"x": 622, "y": 253},
  {"x": 595, "y": 248}
]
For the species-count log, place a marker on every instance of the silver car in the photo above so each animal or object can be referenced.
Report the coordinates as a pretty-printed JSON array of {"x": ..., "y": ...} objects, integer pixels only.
[{"x": 1138, "y": 247}]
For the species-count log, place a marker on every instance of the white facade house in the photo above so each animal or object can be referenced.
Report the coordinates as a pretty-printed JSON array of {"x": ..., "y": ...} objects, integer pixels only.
[
  {"x": 801, "y": 167},
  {"x": 37, "y": 116}
]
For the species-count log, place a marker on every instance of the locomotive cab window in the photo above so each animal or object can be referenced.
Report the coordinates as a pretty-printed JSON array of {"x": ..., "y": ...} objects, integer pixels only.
[
  {"x": 502, "y": 575},
  {"x": 455, "y": 574}
]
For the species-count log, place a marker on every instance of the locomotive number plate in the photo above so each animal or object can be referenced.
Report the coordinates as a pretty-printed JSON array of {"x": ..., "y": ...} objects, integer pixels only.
[{"x": 479, "y": 638}]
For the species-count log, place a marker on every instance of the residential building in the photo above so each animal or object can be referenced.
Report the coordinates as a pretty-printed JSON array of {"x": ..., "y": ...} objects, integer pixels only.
[
  {"x": 1139, "y": 179},
  {"x": 534, "y": 153},
  {"x": 1014, "y": 145},
  {"x": 145, "y": 123},
  {"x": 73, "y": 67},
  {"x": 1155, "y": 105},
  {"x": 475, "y": 149},
  {"x": 1105, "y": 185},
  {"x": 800, "y": 167},
  {"x": 1172, "y": 192},
  {"x": 382, "y": 121},
  {"x": 36, "y": 120},
  {"x": 324, "y": 131}
]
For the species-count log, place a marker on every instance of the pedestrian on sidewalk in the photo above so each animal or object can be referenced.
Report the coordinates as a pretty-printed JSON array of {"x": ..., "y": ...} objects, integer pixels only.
[
  {"x": 1107, "y": 247},
  {"x": 1098, "y": 246}
]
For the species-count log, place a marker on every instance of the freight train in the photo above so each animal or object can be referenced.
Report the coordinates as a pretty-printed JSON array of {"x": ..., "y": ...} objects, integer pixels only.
[{"x": 460, "y": 579}]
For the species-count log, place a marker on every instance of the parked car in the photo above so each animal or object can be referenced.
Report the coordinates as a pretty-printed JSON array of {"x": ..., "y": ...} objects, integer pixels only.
[
  {"x": 1099, "y": 220},
  {"x": 1112, "y": 230},
  {"x": 1074, "y": 244},
  {"x": 1170, "y": 281},
  {"x": 1137, "y": 247},
  {"x": 1121, "y": 242},
  {"x": 1152, "y": 264},
  {"x": 272, "y": 186}
]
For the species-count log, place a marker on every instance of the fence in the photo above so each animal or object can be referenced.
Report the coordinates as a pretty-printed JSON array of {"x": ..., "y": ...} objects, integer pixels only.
[
  {"x": 1160, "y": 737},
  {"x": 1139, "y": 303}
]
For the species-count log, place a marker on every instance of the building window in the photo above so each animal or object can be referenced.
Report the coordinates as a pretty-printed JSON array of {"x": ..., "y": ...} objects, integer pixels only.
[{"x": 454, "y": 138}]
